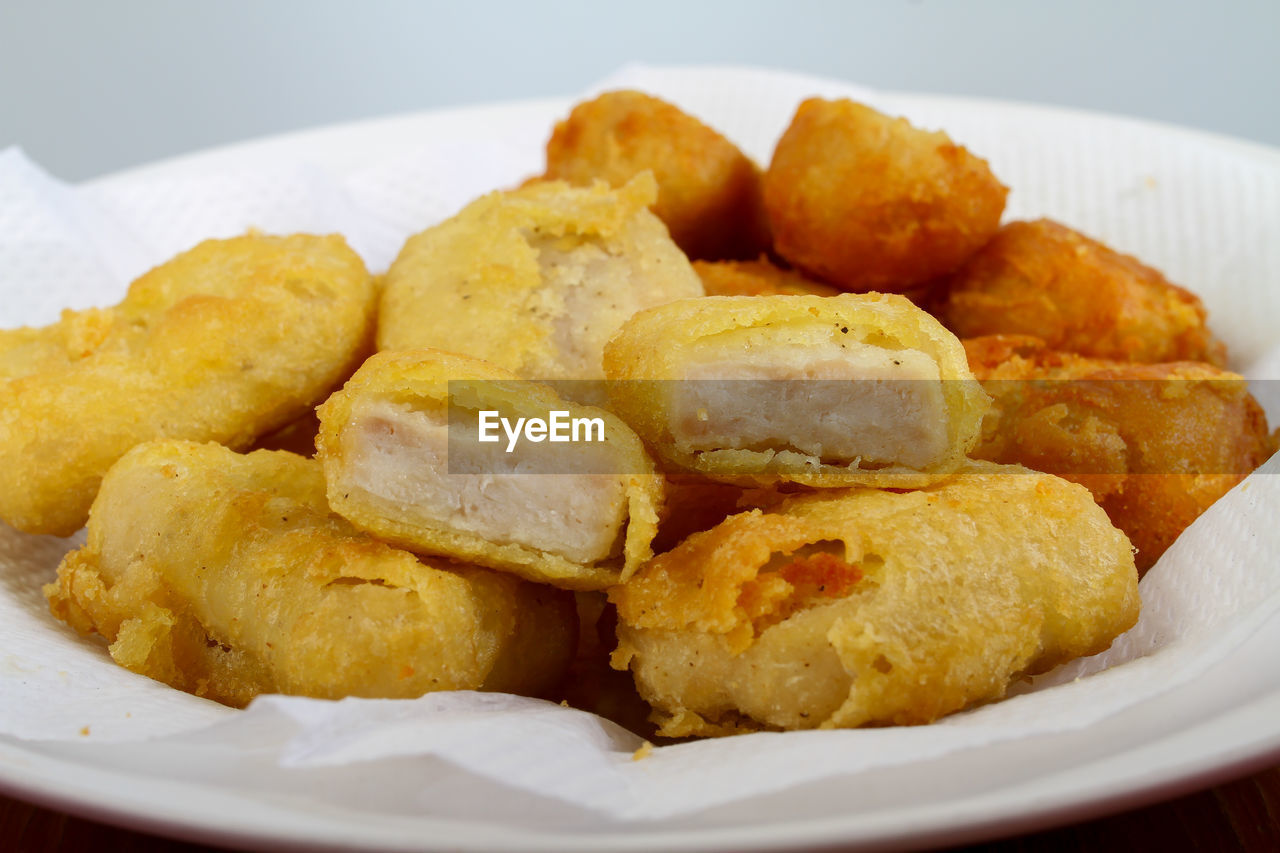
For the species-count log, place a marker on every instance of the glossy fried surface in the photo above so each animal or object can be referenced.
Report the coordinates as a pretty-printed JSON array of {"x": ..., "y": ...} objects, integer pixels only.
[
  {"x": 226, "y": 342},
  {"x": 1077, "y": 295},
  {"x": 539, "y": 515},
  {"x": 227, "y": 576},
  {"x": 709, "y": 192},
  {"x": 785, "y": 344},
  {"x": 756, "y": 278},
  {"x": 534, "y": 280},
  {"x": 1157, "y": 444},
  {"x": 856, "y": 607},
  {"x": 867, "y": 202}
]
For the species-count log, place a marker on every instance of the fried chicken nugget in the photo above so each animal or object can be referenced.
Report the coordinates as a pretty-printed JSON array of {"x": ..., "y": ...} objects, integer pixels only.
[
  {"x": 401, "y": 455},
  {"x": 709, "y": 192},
  {"x": 1157, "y": 444},
  {"x": 855, "y": 607},
  {"x": 225, "y": 342},
  {"x": 534, "y": 280},
  {"x": 1044, "y": 279},
  {"x": 868, "y": 202},
  {"x": 822, "y": 391},
  {"x": 756, "y": 278},
  {"x": 227, "y": 576}
]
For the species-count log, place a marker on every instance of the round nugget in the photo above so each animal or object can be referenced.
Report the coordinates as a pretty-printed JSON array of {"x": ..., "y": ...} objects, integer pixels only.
[
  {"x": 226, "y": 342},
  {"x": 1157, "y": 444},
  {"x": 708, "y": 190},
  {"x": 868, "y": 202},
  {"x": 1077, "y": 295}
]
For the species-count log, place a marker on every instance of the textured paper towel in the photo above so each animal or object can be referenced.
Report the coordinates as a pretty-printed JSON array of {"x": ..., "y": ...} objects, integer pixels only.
[{"x": 1199, "y": 208}]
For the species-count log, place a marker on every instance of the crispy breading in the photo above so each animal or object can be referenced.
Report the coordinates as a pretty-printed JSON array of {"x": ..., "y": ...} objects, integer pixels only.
[
  {"x": 534, "y": 280},
  {"x": 868, "y": 202},
  {"x": 856, "y": 607},
  {"x": 822, "y": 391},
  {"x": 401, "y": 460},
  {"x": 762, "y": 277},
  {"x": 225, "y": 342},
  {"x": 1157, "y": 444},
  {"x": 226, "y": 576},
  {"x": 709, "y": 192},
  {"x": 1043, "y": 279},
  {"x": 756, "y": 278}
]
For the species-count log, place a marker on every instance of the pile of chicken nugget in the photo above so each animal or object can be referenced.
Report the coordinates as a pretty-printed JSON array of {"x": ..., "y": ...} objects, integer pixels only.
[{"x": 866, "y": 455}]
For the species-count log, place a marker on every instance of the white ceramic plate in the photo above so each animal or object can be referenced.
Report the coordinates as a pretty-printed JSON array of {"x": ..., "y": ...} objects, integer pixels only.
[{"x": 1224, "y": 724}]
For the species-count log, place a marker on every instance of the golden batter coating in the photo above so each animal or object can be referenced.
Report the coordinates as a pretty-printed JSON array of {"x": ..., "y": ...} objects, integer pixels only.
[
  {"x": 709, "y": 192},
  {"x": 534, "y": 280},
  {"x": 400, "y": 454},
  {"x": 227, "y": 576},
  {"x": 226, "y": 342},
  {"x": 1043, "y": 279},
  {"x": 1157, "y": 444},
  {"x": 756, "y": 278},
  {"x": 852, "y": 389},
  {"x": 865, "y": 607},
  {"x": 868, "y": 202}
]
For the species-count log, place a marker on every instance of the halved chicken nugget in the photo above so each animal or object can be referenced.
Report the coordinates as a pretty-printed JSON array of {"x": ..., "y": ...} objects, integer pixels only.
[
  {"x": 708, "y": 191},
  {"x": 535, "y": 280},
  {"x": 821, "y": 391},
  {"x": 403, "y": 459},
  {"x": 226, "y": 342},
  {"x": 227, "y": 576},
  {"x": 863, "y": 607}
]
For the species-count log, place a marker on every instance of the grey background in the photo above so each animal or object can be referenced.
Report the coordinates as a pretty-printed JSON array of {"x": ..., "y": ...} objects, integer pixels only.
[{"x": 93, "y": 86}]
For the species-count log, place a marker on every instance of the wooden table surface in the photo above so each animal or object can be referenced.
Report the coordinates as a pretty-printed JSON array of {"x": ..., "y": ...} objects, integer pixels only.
[{"x": 1240, "y": 815}]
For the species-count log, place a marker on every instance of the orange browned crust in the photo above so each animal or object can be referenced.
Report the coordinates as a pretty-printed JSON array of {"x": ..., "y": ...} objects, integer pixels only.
[
  {"x": 756, "y": 278},
  {"x": 708, "y": 191},
  {"x": 1076, "y": 294},
  {"x": 868, "y": 202},
  {"x": 1157, "y": 444}
]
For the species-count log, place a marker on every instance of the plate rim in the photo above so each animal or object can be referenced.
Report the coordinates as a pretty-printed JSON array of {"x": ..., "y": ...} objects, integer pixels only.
[{"x": 969, "y": 819}]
